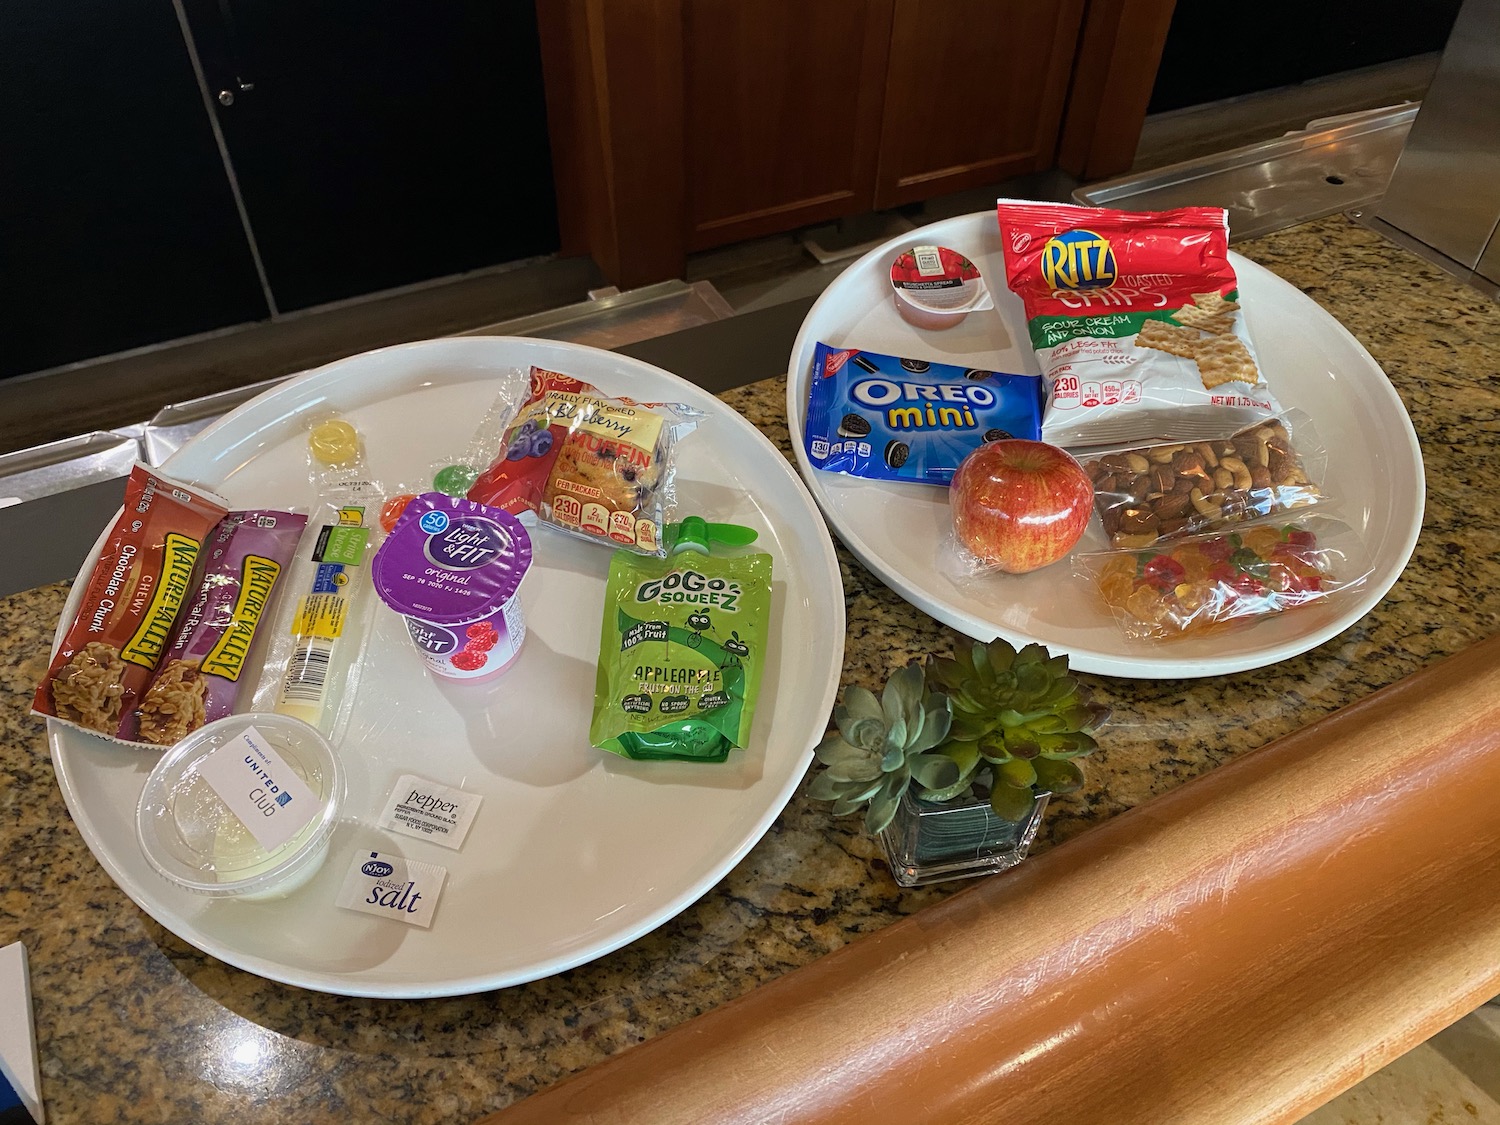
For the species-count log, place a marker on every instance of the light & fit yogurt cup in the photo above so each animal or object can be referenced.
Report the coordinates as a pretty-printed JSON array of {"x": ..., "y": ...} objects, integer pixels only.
[
  {"x": 453, "y": 569},
  {"x": 935, "y": 287}
]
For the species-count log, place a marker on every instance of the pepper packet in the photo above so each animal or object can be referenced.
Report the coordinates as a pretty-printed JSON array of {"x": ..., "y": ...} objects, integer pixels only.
[
  {"x": 682, "y": 648},
  {"x": 199, "y": 679},
  {"x": 1135, "y": 318},
  {"x": 125, "y": 619},
  {"x": 887, "y": 418}
]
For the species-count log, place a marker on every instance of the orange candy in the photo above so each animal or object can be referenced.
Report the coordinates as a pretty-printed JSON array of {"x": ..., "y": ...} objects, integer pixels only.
[{"x": 392, "y": 509}]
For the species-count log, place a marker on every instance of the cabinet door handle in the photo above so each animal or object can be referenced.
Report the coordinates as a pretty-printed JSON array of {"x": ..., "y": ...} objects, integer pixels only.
[{"x": 227, "y": 96}]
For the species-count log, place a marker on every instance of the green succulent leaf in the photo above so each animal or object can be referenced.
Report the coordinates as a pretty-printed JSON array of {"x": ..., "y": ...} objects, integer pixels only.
[
  {"x": 937, "y": 720},
  {"x": 884, "y": 803},
  {"x": 1011, "y": 802},
  {"x": 902, "y": 696},
  {"x": 1022, "y": 743},
  {"x": 861, "y": 703},
  {"x": 833, "y": 748},
  {"x": 934, "y": 771},
  {"x": 1017, "y": 772},
  {"x": 825, "y": 788},
  {"x": 971, "y": 728},
  {"x": 855, "y": 770},
  {"x": 1058, "y": 776}
]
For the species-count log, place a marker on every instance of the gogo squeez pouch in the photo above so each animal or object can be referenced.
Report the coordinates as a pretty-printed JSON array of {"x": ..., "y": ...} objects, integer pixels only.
[{"x": 682, "y": 647}]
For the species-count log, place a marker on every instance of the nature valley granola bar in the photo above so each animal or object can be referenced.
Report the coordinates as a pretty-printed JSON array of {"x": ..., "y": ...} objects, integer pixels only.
[
  {"x": 199, "y": 678},
  {"x": 125, "y": 619}
]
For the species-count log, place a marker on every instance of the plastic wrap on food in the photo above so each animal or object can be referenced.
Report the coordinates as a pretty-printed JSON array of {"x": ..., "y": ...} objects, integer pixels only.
[
  {"x": 1209, "y": 582},
  {"x": 124, "y": 623},
  {"x": 1149, "y": 493},
  {"x": 200, "y": 677},
  {"x": 599, "y": 467}
]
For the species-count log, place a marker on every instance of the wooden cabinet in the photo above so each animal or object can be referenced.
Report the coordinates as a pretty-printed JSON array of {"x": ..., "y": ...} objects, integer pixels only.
[
  {"x": 683, "y": 124},
  {"x": 973, "y": 94},
  {"x": 783, "y": 113}
]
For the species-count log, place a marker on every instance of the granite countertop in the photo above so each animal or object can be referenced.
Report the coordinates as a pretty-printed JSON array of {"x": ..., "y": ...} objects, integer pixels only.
[{"x": 134, "y": 1025}]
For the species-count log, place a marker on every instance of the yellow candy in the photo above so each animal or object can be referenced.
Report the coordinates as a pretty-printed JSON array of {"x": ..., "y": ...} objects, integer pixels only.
[
  {"x": 1262, "y": 539},
  {"x": 333, "y": 442}
]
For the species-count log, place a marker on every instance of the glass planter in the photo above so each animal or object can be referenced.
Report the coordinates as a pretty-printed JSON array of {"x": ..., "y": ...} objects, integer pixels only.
[{"x": 928, "y": 843}]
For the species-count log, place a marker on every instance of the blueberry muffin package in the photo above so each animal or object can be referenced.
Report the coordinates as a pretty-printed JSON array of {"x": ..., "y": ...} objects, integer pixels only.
[
  {"x": 592, "y": 465},
  {"x": 125, "y": 619}
]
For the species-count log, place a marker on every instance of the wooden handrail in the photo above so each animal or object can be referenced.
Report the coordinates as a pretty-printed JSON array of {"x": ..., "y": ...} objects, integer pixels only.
[{"x": 1239, "y": 950}]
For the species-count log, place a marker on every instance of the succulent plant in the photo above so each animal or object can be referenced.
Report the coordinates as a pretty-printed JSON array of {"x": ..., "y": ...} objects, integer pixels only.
[
  {"x": 882, "y": 746},
  {"x": 1019, "y": 720}
]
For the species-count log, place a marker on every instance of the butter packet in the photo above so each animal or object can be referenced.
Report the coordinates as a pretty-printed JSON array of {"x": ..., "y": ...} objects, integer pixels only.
[{"x": 682, "y": 647}]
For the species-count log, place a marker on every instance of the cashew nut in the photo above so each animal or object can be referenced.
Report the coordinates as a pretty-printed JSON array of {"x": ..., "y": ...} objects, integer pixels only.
[
  {"x": 1203, "y": 505},
  {"x": 1240, "y": 471}
]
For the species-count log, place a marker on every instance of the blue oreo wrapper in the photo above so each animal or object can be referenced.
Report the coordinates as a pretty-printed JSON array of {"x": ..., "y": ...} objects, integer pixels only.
[{"x": 888, "y": 418}]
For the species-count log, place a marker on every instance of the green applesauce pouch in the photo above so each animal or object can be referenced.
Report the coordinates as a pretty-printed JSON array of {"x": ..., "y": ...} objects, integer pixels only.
[{"x": 682, "y": 648}]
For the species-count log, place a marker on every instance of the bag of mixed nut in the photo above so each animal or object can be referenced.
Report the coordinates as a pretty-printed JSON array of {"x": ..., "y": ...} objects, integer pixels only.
[
  {"x": 199, "y": 678},
  {"x": 1135, "y": 319},
  {"x": 595, "y": 466},
  {"x": 142, "y": 576},
  {"x": 1155, "y": 492}
]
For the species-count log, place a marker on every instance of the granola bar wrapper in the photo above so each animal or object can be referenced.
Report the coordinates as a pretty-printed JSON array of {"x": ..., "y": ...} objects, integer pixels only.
[
  {"x": 125, "y": 619},
  {"x": 199, "y": 678},
  {"x": 1136, "y": 321},
  {"x": 601, "y": 468}
]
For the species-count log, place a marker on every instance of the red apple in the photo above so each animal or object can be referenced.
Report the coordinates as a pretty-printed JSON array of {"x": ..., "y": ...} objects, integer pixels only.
[{"x": 1020, "y": 505}]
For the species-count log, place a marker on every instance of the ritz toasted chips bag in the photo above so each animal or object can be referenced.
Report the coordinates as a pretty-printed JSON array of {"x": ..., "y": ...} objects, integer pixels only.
[{"x": 1135, "y": 317}]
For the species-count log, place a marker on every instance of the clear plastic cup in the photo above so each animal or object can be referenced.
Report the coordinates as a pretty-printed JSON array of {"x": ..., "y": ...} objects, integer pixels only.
[{"x": 195, "y": 841}]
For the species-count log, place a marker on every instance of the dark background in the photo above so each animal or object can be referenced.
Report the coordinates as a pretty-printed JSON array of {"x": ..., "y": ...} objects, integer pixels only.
[
  {"x": 1215, "y": 51},
  {"x": 381, "y": 144}
]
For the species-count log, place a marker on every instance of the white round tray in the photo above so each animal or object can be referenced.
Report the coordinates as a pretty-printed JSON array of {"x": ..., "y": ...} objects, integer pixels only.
[
  {"x": 896, "y": 530},
  {"x": 575, "y": 851}
]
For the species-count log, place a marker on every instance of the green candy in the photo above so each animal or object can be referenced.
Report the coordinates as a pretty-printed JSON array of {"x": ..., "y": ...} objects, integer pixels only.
[{"x": 455, "y": 480}]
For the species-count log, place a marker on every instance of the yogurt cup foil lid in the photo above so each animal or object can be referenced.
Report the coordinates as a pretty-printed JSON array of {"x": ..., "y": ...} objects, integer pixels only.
[{"x": 450, "y": 560}]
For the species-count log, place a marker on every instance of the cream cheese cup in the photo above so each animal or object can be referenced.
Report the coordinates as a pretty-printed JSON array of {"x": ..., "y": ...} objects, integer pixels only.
[
  {"x": 242, "y": 807},
  {"x": 935, "y": 287},
  {"x": 453, "y": 569}
]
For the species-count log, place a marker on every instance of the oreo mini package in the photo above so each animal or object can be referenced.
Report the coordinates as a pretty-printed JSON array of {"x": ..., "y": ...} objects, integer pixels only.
[{"x": 887, "y": 418}]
